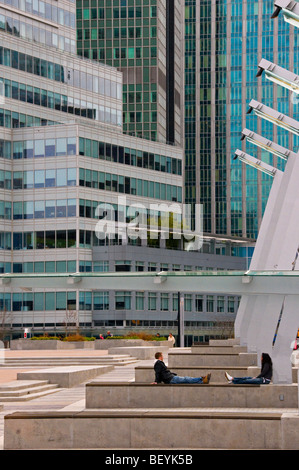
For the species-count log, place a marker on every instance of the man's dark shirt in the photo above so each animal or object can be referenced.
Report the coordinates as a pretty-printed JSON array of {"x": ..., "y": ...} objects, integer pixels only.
[{"x": 162, "y": 373}]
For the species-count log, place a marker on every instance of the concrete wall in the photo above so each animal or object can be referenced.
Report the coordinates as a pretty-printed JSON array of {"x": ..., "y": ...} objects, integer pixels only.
[
  {"x": 145, "y": 430},
  {"x": 133, "y": 395}
]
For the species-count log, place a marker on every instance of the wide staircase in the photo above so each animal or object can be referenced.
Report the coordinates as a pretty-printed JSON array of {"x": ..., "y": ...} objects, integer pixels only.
[
  {"x": 24, "y": 390},
  {"x": 141, "y": 415},
  {"x": 44, "y": 361},
  {"x": 42, "y": 375}
]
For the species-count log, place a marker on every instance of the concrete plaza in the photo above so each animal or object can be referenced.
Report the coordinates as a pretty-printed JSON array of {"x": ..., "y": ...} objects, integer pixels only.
[
  {"x": 65, "y": 398},
  {"x": 215, "y": 401}
]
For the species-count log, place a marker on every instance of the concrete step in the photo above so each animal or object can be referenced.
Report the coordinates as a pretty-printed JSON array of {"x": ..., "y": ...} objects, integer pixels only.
[
  {"x": 46, "y": 361},
  {"x": 66, "y": 377},
  {"x": 218, "y": 349},
  {"x": 137, "y": 429},
  {"x": 141, "y": 352},
  {"x": 177, "y": 359},
  {"x": 16, "y": 385},
  {"x": 26, "y": 390},
  {"x": 224, "y": 342},
  {"x": 134, "y": 395}
]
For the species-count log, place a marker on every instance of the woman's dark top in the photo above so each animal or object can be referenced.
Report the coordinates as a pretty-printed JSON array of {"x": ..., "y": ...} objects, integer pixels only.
[
  {"x": 266, "y": 371},
  {"x": 162, "y": 373}
]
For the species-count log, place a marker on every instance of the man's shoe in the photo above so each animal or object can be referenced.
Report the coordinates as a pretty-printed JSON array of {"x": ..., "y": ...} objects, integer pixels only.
[
  {"x": 206, "y": 379},
  {"x": 228, "y": 377}
]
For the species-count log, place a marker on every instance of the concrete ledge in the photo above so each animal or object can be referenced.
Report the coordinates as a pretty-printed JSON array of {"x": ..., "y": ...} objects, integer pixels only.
[
  {"x": 211, "y": 359},
  {"x": 134, "y": 395},
  {"x": 22, "y": 344},
  {"x": 146, "y": 374},
  {"x": 225, "y": 342},
  {"x": 65, "y": 377},
  {"x": 218, "y": 349},
  {"x": 140, "y": 352},
  {"x": 121, "y": 343},
  {"x": 139, "y": 429}
]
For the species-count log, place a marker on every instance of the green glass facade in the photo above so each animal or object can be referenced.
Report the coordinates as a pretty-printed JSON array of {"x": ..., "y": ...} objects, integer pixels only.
[
  {"x": 254, "y": 35},
  {"x": 224, "y": 42},
  {"x": 132, "y": 35},
  {"x": 191, "y": 177}
]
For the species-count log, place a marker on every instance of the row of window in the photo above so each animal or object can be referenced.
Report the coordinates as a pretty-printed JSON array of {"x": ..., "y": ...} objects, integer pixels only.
[
  {"x": 44, "y": 10},
  {"x": 150, "y": 217},
  {"x": 41, "y": 240},
  {"x": 38, "y": 178},
  {"x": 39, "y": 267},
  {"x": 54, "y": 266},
  {"x": 59, "y": 73},
  {"x": 14, "y": 120},
  {"x": 38, "y": 148},
  {"x": 141, "y": 35},
  {"x": 129, "y": 156},
  {"x": 120, "y": 11},
  {"x": 34, "y": 33},
  {"x": 92, "y": 266},
  {"x": 43, "y": 209},
  {"x": 89, "y": 239},
  {"x": 58, "y": 102},
  {"x": 90, "y": 148},
  {"x": 91, "y": 179},
  {"x": 168, "y": 324},
  {"x": 100, "y": 300},
  {"x": 38, "y": 240},
  {"x": 127, "y": 185}
]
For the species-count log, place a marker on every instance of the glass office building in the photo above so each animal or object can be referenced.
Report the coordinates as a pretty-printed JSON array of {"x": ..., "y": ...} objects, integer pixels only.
[
  {"x": 144, "y": 40},
  {"x": 224, "y": 42},
  {"x": 64, "y": 152}
]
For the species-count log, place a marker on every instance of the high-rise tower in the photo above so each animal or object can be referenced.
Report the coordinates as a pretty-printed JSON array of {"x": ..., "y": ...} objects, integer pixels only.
[
  {"x": 224, "y": 42},
  {"x": 144, "y": 40}
]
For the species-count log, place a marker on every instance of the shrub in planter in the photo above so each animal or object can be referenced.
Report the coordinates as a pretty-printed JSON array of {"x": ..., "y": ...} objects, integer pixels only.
[
  {"x": 143, "y": 336},
  {"x": 45, "y": 337},
  {"x": 77, "y": 337}
]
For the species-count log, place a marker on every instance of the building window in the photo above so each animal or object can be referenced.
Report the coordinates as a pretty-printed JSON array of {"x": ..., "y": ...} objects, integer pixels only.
[
  {"x": 139, "y": 300},
  {"x": 220, "y": 304},
  {"x": 164, "y": 301},
  {"x": 175, "y": 304},
  {"x": 210, "y": 303},
  {"x": 139, "y": 266},
  {"x": 122, "y": 300},
  {"x": 152, "y": 266},
  {"x": 152, "y": 301},
  {"x": 188, "y": 302},
  {"x": 199, "y": 303},
  {"x": 101, "y": 300},
  {"x": 122, "y": 266},
  {"x": 230, "y": 304},
  {"x": 100, "y": 266}
]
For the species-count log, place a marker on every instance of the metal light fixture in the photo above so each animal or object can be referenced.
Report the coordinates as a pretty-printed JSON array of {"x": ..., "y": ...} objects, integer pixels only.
[
  {"x": 274, "y": 116},
  {"x": 255, "y": 163},
  {"x": 279, "y": 75},
  {"x": 266, "y": 144},
  {"x": 289, "y": 9}
]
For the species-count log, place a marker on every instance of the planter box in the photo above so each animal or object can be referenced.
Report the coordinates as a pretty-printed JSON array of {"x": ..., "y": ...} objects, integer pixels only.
[
  {"x": 54, "y": 344},
  {"x": 124, "y": 343},
  {"x": 49, "y": 344}
]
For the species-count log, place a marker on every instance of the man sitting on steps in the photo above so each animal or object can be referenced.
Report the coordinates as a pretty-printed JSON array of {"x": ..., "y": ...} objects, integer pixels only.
[{"x": 163, "y": 374}]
